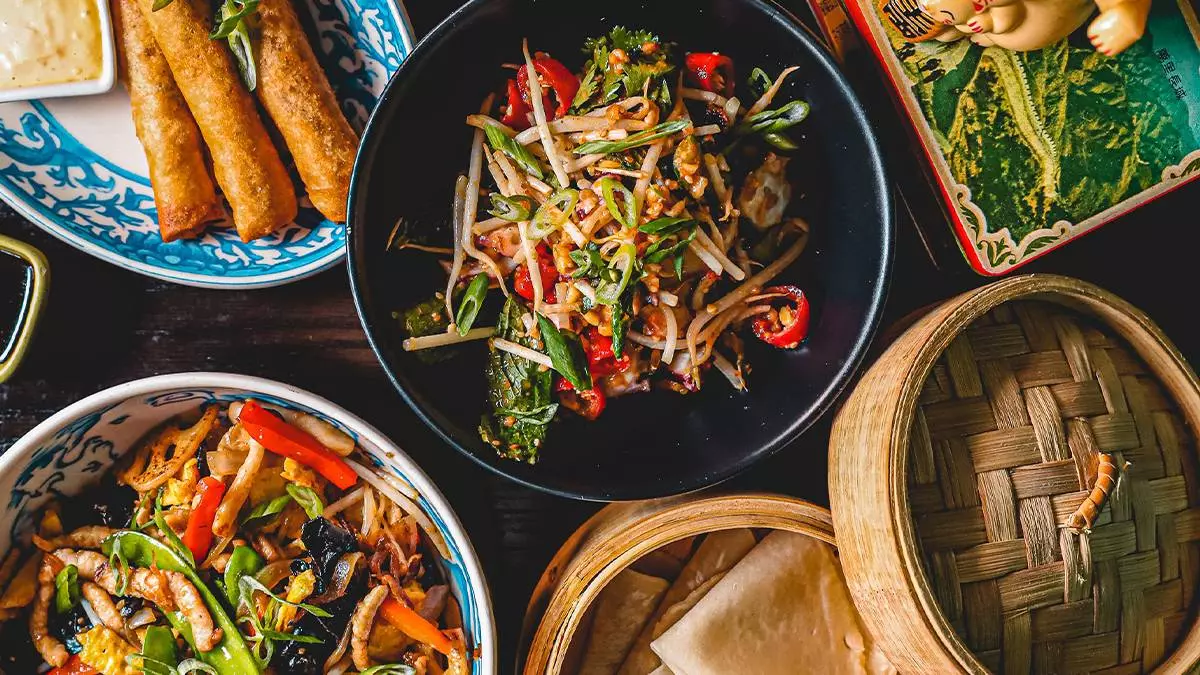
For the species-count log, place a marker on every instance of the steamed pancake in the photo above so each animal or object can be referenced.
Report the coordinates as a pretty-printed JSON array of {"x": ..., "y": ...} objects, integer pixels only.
[{"x": 784, "y": 604}]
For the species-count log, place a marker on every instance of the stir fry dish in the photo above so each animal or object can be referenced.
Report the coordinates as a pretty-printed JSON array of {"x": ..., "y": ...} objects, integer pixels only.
[
  {"x": 252, "y": 540},
  {"x": 635, "y": 214}
]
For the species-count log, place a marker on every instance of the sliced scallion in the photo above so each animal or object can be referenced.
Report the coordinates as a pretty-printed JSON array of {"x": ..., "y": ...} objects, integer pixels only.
[
  {"x": 618, "y": 275},
  {"x": 774, "y": 121},
  {"x": 233, "y": 27},
  {"x": 66, "y": 589},
  {"x": 500, "y": 142},
  {"x": 551, "y": 215},
  {"x": 759, "y": 82},
  {"x": 623, "y": 210},
  {"x": 641, "y": 138},
  {"x": 513, "y": 209},
  {"x": 665, "y": 226},
  {"x": 472, "y": 300}
]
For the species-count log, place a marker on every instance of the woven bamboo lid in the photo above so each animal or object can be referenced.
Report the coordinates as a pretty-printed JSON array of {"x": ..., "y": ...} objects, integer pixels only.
[{"x": 995, "y": 411}]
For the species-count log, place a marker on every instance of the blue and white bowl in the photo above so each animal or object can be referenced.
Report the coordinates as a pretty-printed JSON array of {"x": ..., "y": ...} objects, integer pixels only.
[
  {"x": 74, "y": 447},
  {"x": 74, "y": 167}
]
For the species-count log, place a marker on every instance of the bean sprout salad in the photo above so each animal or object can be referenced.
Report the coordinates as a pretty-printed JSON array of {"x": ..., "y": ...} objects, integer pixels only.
[{"x": 632, "y": 216}]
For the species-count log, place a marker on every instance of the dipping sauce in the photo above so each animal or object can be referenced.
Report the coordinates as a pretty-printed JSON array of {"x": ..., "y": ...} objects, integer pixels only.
[
  {"x": 46, "y": 42},
  {"x": 15, "y": 276}
]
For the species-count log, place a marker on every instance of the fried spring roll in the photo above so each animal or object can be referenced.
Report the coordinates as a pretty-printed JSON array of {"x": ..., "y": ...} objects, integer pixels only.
[
  {"x": 247, "y": 167},
  {"x": 297, "y": 96},
  {"x": 184, "y": 194}
]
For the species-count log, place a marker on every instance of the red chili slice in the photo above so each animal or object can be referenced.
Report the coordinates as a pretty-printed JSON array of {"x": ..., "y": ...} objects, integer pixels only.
[
  {"x": 787, "y": 327},
  {"x": 517, "y": 115},
  {"x": 523, "y": 284},
  {"x": 587, "y": 404},
  {"x": 601, "y": 361},
  {"x": 555, "y": 75},
  {"x": 198, "y": 535},
  {"x": 286, "y": 440},
  {"x": 711, "y": 71}
]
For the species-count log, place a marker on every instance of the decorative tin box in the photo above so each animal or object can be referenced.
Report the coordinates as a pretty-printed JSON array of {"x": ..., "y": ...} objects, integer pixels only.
[{"x": 1029, "y": 150}]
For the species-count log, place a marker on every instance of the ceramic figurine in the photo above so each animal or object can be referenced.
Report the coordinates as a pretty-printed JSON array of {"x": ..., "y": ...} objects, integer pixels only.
[{"x": 1024, "y": 25}]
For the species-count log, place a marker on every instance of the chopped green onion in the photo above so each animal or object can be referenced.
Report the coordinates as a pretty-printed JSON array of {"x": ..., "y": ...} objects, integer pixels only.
[
  {"x": 237, "y": 33},
  {"x": 566, "y": 354},
  {"x": 66, "y": 589},
  {"x": 265, "y": 511},
  {"x": 664, "y": 227},
  {"x": 468, "y": 309},
  {"x": 189, "y": 666},
  {"x": 775, "y": 121},
  {"x": 250, "y": 585},
  {"x": 759, "y": 82},
  {"x": 587, "y": 261},
  {"x": 551, "y": 215},
  {"x": 513, "y": 209},
  {"x": 119, "y": 564},
  {"x": 641, "y": 138},
  {"x": 229, "y": 20},
  {"x": 307, "y": 498},
  {"x": 159, "y": 4},
  {"x": 625, "y": 212},
  {"x": 619, "y": 272},
  {"x": 780, "y": 141},
  {"x": 500, "y": 142},
  {"x": 622, "y": 311},
  {"x": 390, "y": 669},
  {"x": 660, "y": 251}
]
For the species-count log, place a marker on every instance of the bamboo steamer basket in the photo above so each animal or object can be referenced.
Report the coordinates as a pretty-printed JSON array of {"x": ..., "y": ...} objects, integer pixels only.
[
  {"x": 622, "y": 533},
  {"x": 958, "y": 458}
]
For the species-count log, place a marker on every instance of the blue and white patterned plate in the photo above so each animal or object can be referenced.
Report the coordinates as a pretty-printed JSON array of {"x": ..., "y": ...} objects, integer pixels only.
[
  {"x": 74, "y": 167},
  {"x": 74, "y": 447}
]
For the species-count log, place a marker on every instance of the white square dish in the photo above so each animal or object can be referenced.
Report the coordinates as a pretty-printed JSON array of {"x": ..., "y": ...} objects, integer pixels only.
[{"x": 97, "y": 85}]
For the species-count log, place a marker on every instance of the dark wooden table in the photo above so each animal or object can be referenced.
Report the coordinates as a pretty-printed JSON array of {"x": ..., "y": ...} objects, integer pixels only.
[{"x": 104, "y": 326}]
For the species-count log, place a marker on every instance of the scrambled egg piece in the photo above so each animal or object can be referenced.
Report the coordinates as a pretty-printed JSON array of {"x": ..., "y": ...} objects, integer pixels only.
[
  {"x": 51, "y": 525},
  {"x": 415, "y": 593},
  {"x": 105, "y": 651},
  {"x": 180, "y": 490},
  {"x": 387, "y": 643},
  {"x": 295, "y": 472},
  {"x": 23, "y": 586},
  {"x": 299, "y": 588}
]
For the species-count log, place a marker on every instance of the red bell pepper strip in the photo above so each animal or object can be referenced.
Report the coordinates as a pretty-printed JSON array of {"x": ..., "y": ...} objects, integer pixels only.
[
  {"x": 414, "y": 625},
  {"x": 587, "y": 404},
  {"x": 601, "y": 361},
  {"x": 558, "y": 77},
  {"x": 199, "y": 535},
  {"x": 711, "y": 71},
  {"x": 517, "y": 115},
  {"x": 788, "y": 326},
  {"x": 74, "y": 666},
  {"x": 523, "y": 284},
  {"x": 286, "y": 440}
]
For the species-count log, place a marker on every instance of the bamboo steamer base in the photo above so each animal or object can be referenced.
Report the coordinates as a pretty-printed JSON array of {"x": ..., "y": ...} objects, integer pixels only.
[
  {"x": 622, "y": 533},
  {"x": 1057, "y": 609}
]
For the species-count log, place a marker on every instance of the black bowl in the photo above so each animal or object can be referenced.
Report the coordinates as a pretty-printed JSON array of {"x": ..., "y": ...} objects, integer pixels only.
[{"x": 645, "y": 445}]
